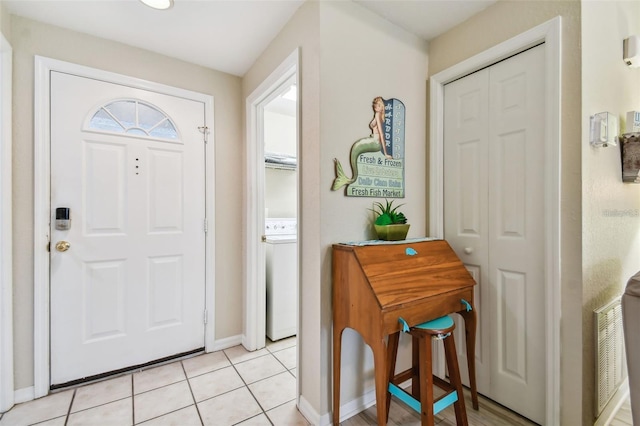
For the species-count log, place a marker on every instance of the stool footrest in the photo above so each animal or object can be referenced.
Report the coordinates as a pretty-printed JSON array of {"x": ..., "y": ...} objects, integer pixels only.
[
  {"x": 442, "y": 384},
  {"x": 410, "y": 373},
  {"x": 414, "y": 404},
  {"x": 403, "y": 396},
  {"x": 443, "y": 403},
  {"x": 403, "y": 376}
]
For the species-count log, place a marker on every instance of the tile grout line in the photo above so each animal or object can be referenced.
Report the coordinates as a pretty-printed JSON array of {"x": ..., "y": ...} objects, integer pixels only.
[
  {"x": 247, "y": 387},
  {"x": 183, "y": 369},
  {"x": 94, "y": 406},
  {"x": 133, "y": 402},
  {"x": 264, "y": 378},
  {"x": 253, "y": 417},
  {"x": 165, "y": 386},
  {"x": 280, "y": 349},
  {"x": 280, "y": 405},
  {"x": 287, "y": 370},
  {"x": 195, "y": 403},
  {"x": 250, "y": 359},
  {"x": 282, "y": 363},
  {"x": 73, "y": 397}
]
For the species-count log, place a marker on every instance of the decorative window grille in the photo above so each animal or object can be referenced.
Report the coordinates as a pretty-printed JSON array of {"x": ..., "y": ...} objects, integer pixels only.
[{"x": 133, "y": 117}]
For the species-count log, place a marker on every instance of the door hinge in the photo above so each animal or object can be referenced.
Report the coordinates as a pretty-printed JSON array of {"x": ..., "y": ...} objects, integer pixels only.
[
  {"x": 205, "y": 132},
  {"x": 205, "y": 316},
  {"x": 206, "y": 225}
]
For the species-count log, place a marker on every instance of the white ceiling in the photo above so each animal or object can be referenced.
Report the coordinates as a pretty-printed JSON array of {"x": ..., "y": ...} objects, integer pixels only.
[{"x": 226, "y": 35}]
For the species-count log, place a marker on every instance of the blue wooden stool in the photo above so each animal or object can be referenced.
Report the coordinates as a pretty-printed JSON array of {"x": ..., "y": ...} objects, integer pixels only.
[{"x": 421, "y": 398}]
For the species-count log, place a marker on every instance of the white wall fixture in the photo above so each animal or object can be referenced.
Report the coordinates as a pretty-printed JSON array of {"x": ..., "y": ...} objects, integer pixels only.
[
  {"x": 631, "y": 51},
  {"x": 630, "y": 156},
  {"x": 633, "y": 122},
  {"x": 158, "y": 4},
  {"x": 604, "y": 130}
]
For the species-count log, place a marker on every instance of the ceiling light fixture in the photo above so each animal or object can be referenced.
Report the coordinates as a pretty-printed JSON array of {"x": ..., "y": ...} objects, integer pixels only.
[{"x": 158, "y": 4}]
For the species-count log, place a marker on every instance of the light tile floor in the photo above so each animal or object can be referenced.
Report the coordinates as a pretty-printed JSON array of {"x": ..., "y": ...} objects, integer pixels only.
[{"x": 230, "y": 387}]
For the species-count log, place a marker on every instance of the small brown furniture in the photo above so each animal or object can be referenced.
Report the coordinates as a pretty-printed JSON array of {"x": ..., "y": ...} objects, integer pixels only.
[
  {"x": 421, "y": 399},
  {"x": 374, "y": 285}
]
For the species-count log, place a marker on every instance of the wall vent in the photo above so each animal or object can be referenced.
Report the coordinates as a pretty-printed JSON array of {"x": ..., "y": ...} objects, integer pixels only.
[{"x": 611, "y": 367}]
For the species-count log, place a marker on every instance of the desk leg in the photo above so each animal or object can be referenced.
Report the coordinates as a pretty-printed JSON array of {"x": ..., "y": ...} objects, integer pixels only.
[
  {"x": 392, "y": 352},
  {"x": 470, "y": 319},
  {"x": 337, "y": 348},
  {"x": 379, "y": 349}
]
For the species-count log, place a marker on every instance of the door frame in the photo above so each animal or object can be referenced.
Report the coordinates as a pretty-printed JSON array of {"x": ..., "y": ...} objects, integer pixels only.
[
  {"x": 42, "y": 202},
  {"x": 6, "y": 263},
  {"x": 254, "y": 329},
  {"x": 548, "y": 33}
]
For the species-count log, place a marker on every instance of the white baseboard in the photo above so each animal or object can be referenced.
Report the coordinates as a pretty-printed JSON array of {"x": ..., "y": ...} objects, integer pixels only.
[
  {"x": 356, "y": 406},
  {"x": 24, "y": 395},
  {"x": 347, "y": 410},
  {"x": 308, "y": 411},
  {"x": 227, "y": 342},
  {"x": 610, "y": 410}
]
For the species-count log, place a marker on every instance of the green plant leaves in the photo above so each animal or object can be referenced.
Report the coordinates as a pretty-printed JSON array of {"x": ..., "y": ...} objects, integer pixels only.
[
  {"x": 387, "y": 214},
  {"x": 384, "y": 219}
]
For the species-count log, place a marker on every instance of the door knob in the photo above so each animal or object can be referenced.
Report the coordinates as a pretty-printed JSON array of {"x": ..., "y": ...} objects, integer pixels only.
[
  {"x": 62, "y": 246},
  {"x": 468, "y": 250}
]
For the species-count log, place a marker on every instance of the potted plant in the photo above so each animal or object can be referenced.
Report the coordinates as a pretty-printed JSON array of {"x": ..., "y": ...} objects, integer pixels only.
[{"x": 390, "y": 224}]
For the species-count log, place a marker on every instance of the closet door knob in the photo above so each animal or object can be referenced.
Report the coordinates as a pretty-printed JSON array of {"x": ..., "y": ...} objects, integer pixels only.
[
  {"x": 468, "y": 250},
  {"x": 62, "y": 246}
]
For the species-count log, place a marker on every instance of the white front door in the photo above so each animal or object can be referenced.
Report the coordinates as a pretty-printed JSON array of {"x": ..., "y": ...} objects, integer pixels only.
[
  {"x": 129, "y": 164},
  {"x": 494, "y": 208}
]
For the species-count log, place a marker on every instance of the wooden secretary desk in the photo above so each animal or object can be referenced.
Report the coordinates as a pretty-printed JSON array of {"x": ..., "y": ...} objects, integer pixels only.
[{"x": 376, "y": 283}]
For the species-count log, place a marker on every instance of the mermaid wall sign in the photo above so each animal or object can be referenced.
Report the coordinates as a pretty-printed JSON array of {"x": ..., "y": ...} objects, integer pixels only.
[{"x": 377, "y": 161}]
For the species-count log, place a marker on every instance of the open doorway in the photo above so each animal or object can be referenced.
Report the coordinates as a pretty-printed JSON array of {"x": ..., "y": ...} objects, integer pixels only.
[
  {"x": 271, "y": 305},
  {"x": 281, "y": 212}
]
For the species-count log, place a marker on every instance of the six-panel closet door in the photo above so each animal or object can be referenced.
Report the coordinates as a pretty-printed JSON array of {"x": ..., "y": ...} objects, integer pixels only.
[{"x": 494, "y": 220}]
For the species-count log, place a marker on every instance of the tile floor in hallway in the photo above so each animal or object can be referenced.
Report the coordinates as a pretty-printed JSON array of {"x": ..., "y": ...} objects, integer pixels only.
[
  {"x": 230, "y": 387},
  {"x": 220, "y": 388}
]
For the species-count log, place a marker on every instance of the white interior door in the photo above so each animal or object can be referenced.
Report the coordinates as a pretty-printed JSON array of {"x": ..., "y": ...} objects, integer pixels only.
[
  {"x": 130, "y": 166},
  {"x": 466, "y": 200},
  {"x": 494, "y": 219}
]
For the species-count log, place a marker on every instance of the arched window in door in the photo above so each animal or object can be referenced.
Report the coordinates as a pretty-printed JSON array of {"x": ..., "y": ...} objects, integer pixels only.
[{"x": 133, "y": 117}]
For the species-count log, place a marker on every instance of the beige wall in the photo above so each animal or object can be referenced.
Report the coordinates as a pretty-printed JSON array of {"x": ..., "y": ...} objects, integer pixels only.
[
  {"x": 31, "y": 38},
  {"x": 610, "y": 208},
  {"x": 302, "y": 31},
  {"x": 5, "y": 23},
  {"x": 343, "y": 42},
  {"x": 280, "y": 193},
  {"x": 364, "y": 56},
  {"x": 341, "y": 71},
  {"x": 280, "y": 186},
  {"x": 498, "y": 23}
]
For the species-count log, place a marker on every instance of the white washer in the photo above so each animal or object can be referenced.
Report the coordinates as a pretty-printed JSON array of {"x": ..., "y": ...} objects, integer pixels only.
[{"x": 282, "y": 277}]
